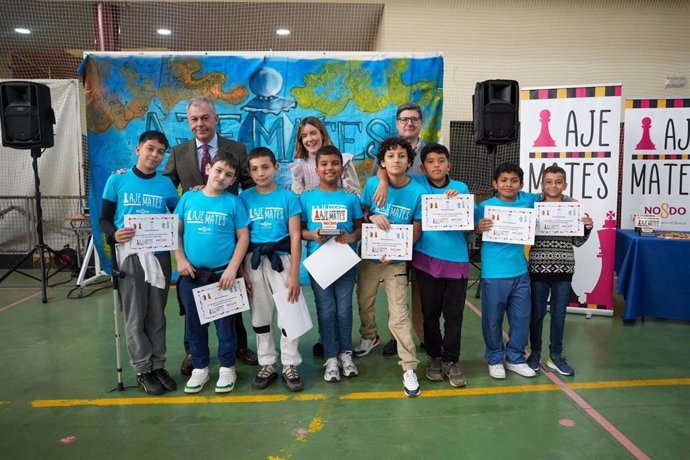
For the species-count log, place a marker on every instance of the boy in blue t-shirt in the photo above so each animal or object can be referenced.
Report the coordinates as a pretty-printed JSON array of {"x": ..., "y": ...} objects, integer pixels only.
[
  {"x": 441, "y": 264},
  {"x": 402, "y": 206},
  {"x": 144, "y": 289},
  {"x": 328, "y": 205},
  {"x": 213, "y": 242},
  {"x": 275, "y": 241},
  {"x": 505, "y": 281}
]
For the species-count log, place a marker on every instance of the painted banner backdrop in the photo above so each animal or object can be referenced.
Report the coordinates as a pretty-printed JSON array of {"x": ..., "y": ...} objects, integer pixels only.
[
  {"x": 578, "y": 128},
  {"x": 260, "y": 99},
  {"x": 656, "y": 162}
]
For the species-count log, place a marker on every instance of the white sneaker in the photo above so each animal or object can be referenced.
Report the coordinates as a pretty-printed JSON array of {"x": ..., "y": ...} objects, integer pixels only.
[
  {"x": 411, "y": 384},
  {"x": 332, "y": 372},
  {"x": 366, "y": 345},
  {"x": 346, "y": 364},
  {"x": 497, "y": 371},
  {"x": 197, "y": 381},
  {"x": 226, "y": 380},
  {"x": 523, "y": 369}
]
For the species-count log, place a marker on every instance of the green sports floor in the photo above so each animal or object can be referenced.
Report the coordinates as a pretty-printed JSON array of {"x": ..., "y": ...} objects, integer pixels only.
[{"x": 630, "y": 397}]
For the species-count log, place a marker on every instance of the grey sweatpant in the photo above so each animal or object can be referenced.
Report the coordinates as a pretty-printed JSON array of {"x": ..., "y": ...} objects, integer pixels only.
[{"x": 144, "y": 308}]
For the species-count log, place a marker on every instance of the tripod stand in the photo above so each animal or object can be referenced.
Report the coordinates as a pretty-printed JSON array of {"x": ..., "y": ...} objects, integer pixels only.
[{"x": 41, "y": 247}]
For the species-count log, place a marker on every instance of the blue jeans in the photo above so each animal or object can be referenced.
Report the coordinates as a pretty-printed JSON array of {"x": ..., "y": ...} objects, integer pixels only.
[
  {"x": 334, "y": 311},
  {"x": 501, "y": 296},
  {"x": 560, "y": 292},
  {"x": 197, "y": 333}
]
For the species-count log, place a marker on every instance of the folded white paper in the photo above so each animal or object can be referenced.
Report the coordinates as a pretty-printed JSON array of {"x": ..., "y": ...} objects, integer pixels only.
[{"x": 293, "y": 317}]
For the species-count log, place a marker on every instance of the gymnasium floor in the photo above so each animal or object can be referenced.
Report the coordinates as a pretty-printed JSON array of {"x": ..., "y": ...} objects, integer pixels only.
[{"x": 630, "y": 397}]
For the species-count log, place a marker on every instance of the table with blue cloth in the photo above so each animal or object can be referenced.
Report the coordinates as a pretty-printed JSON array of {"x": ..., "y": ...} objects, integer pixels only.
[{"x": 653, "y": 276}]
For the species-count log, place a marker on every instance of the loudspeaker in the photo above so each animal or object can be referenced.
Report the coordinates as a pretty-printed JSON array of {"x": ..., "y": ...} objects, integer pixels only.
[
  {"x": 495, "y": 109},
  {"x": 26, "y": 115}
]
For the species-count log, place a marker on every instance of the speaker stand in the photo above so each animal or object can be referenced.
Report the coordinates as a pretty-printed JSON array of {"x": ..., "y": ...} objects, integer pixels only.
[{"x": 41, "y": 247}]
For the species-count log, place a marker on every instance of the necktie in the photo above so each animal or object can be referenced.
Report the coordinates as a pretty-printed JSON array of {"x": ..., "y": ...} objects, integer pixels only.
[{"x": 205, "y": 160}]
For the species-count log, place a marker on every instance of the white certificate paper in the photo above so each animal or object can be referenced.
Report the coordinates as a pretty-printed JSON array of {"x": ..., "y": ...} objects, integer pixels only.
[
  {"x": 213, "y": 303},
  {"x": 395, "y": 244},
  {"x": 320, "y": 264},
  {"x": 154, "y": 232},
  {"x": 293, "y": 317},
  {"x": 442, "y": 213},
  {"x": 511, "y": 225},
  {"x": 559, "y": 219}
]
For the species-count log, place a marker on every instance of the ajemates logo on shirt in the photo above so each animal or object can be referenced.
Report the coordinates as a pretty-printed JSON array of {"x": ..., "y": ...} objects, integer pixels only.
[
  {"x": 142, "y": 199},
  {"x": 207, "y": 218},
  {"x": 266, "y": 212},
  {"x": 395, "y": 212}
]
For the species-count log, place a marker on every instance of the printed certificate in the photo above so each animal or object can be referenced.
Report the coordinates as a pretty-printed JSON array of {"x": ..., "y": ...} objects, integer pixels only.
[
  {"x": 213, "y": 303},
  {"x": 395, "y": 244},
  {"x": 511, "y": 225},
  {"x": 442, "y": 213},
  {"x": 559, "y": 219},
  {"x": 154, "y": 232}
]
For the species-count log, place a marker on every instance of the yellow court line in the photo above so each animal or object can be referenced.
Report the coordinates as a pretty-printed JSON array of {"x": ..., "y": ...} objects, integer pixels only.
[
  {"x": 43, "y": 403},
  {"x": 4, "y": 402}
]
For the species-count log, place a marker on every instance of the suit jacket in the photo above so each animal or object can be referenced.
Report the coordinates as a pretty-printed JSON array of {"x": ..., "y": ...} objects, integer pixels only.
[{"x": 183, "y": 167}]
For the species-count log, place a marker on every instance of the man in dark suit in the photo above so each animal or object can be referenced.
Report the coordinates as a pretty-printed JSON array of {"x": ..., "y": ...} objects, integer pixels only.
[{"x": 185, "y": 166}]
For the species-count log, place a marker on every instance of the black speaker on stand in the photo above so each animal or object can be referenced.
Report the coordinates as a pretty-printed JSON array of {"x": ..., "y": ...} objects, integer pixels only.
[
  {"x": 495, "y": 106},
  {"x": 27, "y": 119}
]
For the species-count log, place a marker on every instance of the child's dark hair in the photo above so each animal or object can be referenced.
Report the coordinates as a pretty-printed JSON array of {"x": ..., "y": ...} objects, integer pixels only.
[
  {"x": 260, "y": 152},
  {"x": 391, "y": 143},
  {"x": 329, "y": 150},
  {"x": 434, "y": 147},
  {"x": 554, "y": 169},
  {"x": 508, "y": 167},
  {"x": 153, "y": 135},
  {"x": 228, "y": 159}
]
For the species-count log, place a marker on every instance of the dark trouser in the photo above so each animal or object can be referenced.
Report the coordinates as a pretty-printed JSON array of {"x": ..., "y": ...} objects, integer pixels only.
[
  {"x": 442, "y": 296},
  {"x": 240, "y": 331},
  {"x": 198, "y": 333}
]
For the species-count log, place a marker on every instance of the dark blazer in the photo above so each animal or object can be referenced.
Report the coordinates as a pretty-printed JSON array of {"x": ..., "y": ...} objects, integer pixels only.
[{"x": 183, "y": 168}]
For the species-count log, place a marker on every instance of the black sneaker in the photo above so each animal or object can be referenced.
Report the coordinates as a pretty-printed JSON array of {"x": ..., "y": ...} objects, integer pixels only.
[
  {"x": 150, "y": 384},
  {"x": 292, "y": 380},
  {"x": 164, "y": 378},
  {"x": 317, "y": 350},
  {"x": 391, "y": 348},
  {"x": 264, "y": 377}
]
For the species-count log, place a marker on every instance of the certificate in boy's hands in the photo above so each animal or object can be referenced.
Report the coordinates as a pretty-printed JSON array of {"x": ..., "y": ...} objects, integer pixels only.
[
  {"x": 510, "y": 225},
  {"x": 394, "y": 244},
  {"x": 559, "y": 219},
  {"x": 153, "y": 232},
  {"x": 213, "y": 303},
  {"x": 442, "y": 213},
  {"x": 293, "y": 317}
]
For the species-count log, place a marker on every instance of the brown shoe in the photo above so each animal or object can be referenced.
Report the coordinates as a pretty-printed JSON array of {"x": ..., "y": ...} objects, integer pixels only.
[
  {"x": 187, "y": 367},
  {"x": 247, "y": 356}
]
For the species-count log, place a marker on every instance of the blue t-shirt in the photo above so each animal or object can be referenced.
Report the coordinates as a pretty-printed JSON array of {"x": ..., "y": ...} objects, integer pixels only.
[
  {"x": 137, "y": 195},
  {"x": 443, "y": 245},
  {"x": 210, "y": 226},
  {"x": 269, "y": 213},
  {"x": 503, "y": 260},
  {"x": 403, "y": 205},
  {"x": 318, "y": 206}
]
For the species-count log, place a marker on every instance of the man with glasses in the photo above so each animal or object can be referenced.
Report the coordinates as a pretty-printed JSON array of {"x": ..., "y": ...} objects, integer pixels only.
[
  {"x": 408, "y": 121},
  {"x": 185, "y": 165}
]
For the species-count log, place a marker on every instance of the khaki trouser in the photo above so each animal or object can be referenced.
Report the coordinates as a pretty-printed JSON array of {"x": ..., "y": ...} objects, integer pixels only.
[
  {"x": 417, "y": 316},
  {"x": 394, "y": 278}
]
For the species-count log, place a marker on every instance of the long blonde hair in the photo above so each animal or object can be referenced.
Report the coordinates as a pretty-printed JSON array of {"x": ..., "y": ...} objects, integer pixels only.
[{"x": 300, "y": 151}]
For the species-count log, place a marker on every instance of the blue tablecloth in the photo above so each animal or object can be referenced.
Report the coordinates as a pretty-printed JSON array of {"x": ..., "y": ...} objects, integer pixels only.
[{"x": 653, "y": 276}]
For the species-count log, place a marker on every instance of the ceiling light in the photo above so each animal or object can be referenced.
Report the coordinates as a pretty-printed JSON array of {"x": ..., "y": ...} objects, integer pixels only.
[
  {"x": 164, "y": 31},
  {"x": 21, "y": 30},
  {"x": 283, "y": 32}
]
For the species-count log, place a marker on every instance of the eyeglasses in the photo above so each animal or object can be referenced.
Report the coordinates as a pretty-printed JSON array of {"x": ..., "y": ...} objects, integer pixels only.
[{"x": 413, "y": 120}]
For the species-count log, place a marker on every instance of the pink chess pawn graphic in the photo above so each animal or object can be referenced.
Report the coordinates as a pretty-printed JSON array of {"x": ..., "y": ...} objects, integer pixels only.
[
  {"x": 544, "y": 139},
  {"x": 646, "y": 141}
]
